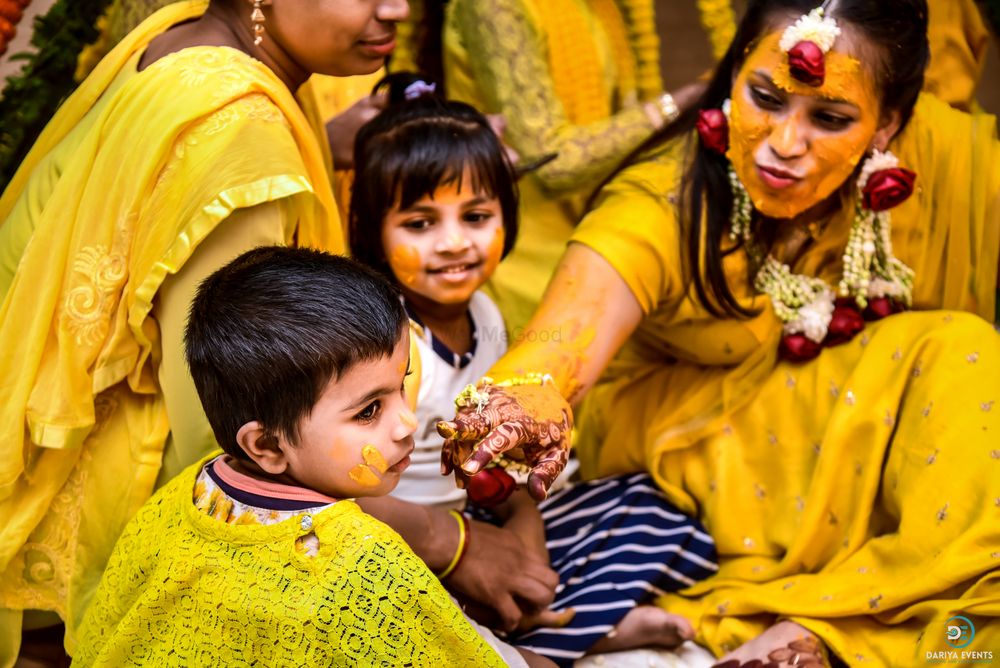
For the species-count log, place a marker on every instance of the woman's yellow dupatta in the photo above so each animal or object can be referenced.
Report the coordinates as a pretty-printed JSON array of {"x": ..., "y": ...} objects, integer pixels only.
[{"x": 170, "y": 154}]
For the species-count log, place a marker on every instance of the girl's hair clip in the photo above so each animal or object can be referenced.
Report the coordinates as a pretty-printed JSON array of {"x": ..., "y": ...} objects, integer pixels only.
[{"x": 419, "y": 88}]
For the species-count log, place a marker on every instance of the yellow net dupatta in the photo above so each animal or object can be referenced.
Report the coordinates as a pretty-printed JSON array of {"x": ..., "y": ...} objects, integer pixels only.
[{"x": 75, "y": 317}]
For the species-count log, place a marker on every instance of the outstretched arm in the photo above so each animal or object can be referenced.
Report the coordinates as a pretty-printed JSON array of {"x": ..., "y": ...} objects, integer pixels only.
[{"x": 587, "y": 313}]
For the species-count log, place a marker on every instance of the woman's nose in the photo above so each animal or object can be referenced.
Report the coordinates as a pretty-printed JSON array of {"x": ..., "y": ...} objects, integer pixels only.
[
  {"x": 788, "y": 140},
  {"x": 393, "y": 11}
]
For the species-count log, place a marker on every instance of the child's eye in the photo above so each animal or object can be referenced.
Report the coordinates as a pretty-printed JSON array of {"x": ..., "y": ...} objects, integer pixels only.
[
  {"x": 417, "y": 224},
  {"x": 764, "y": 99},
  {"x": 477, "y": 217},
  {"x": 369, "y": 412}
]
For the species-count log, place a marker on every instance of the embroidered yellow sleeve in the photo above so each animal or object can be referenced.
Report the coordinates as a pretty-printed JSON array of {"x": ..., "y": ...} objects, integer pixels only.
[{"x": 509, "y": 63}]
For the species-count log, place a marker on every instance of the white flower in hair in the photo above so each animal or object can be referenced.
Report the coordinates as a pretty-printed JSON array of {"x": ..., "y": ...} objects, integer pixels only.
[
  {"x": 876, "y": 162},
  {"x": 811, "y": 27},
  {"x": 727, "y": 106}
]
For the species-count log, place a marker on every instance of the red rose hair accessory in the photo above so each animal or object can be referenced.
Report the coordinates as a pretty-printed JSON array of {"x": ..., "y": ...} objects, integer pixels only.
[
  {"x": 713, "y": 128},
  {"x": 806, "y": 42}
]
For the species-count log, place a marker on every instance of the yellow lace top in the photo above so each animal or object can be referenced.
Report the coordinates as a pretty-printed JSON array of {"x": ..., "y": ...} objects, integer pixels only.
[{"x": 184, "y": 588}]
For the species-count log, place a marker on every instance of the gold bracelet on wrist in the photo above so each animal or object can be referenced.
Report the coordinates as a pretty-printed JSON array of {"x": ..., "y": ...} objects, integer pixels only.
[{"x": 463, "y": 544}]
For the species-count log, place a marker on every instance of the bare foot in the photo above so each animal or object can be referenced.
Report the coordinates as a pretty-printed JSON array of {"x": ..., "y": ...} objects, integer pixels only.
[
  {"x": 645, "y": 626},
  {"x": 784, "y": 644}
]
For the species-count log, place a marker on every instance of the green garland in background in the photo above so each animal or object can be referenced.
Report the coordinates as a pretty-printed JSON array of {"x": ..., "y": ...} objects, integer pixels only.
[{"x": 31, "y": 98}]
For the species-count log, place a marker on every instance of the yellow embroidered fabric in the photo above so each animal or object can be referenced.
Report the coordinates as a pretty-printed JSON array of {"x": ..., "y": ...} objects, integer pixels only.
[
  {"x": 185, "y": 589},
  {"x": 857, "y": 494},
  {"x": 500, "y": 56},
  {"x": 132, "y": 173}
]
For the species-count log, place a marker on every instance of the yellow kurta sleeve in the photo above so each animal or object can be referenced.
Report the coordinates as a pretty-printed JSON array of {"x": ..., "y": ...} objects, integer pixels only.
[
  {"x": 509, "y": 64},
  {"x": 634, "y": 227},
  {"x": 191, "y": 436}
]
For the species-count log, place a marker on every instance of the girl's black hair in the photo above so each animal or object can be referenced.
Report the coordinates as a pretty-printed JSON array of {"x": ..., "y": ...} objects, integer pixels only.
[
  {"x": 413, "y": 147},
  {"x": 897, "y": 31}
]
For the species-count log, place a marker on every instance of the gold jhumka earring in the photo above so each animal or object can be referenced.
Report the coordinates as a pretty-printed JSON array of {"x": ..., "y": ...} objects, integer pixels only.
[{"x": 257, "y": 21}]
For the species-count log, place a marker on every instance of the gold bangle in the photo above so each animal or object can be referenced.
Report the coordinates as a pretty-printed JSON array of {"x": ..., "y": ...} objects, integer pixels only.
[
  {"x": 668, "y": 108},
  {"x": 463, "y": 544}
]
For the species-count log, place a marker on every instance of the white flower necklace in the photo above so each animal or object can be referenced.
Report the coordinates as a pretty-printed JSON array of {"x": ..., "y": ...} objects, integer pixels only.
[{"x": 805, "y": 304}]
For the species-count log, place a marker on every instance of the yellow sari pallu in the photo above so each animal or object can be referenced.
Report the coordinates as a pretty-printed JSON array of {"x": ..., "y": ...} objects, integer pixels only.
[{"x": 132, "y": 173}]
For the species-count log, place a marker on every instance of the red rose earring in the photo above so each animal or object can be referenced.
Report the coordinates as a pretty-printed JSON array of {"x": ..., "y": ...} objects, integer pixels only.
[{"x": 713, "y": 129}]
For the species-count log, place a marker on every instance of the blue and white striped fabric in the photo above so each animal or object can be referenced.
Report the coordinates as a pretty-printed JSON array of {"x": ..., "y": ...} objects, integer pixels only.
[{"x": 615, "y": 542}]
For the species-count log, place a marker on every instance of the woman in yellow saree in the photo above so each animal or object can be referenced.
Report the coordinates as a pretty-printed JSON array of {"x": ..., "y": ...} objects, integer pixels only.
[
  {"x": 851, "y": 479},
  {"x": 184, "y": 147}
]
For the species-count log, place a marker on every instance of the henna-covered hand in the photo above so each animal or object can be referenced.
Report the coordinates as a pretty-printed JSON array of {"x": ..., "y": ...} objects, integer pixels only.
[{"x": 530, "y": 423}]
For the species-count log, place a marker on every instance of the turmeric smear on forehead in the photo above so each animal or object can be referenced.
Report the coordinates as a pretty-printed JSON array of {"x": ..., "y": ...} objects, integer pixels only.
[{"x": 845, "y": 78}]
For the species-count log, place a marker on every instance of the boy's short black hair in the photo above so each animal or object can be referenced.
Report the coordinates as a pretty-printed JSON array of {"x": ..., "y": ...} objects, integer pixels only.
[
  {"x": 413, "y": 147},
  {"x": 267, "y": 332}
]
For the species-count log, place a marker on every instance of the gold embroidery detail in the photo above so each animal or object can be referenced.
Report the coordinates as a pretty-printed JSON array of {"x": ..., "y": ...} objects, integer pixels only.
[
  {"x": 942, "y": 514},
  {"x": 100, "y": 274},
  {"x": 834, "y": 390},
  {"x": 888, "y": 419},
  {"x": 927, "y": 410},
  {"x": 986, "y": 406},
  {"x": 849, "y": 399},
  {"x": 933, "y": 457},
  {"x": 972, "y": 357},
  {"x": 789, "y": 380},
  {"x": 759, "y": 491},
  {"x": 898, "y": 355},
  {"x": 873, "y": 603}
]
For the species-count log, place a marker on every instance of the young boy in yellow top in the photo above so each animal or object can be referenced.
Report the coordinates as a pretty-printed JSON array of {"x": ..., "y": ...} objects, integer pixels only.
[{"x": 259, "y": 554}]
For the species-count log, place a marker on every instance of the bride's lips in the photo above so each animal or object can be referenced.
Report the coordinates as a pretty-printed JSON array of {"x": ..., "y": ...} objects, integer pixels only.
[
  {"x": 777, "y": 179},
  {"x": 378, "y": 47}
]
